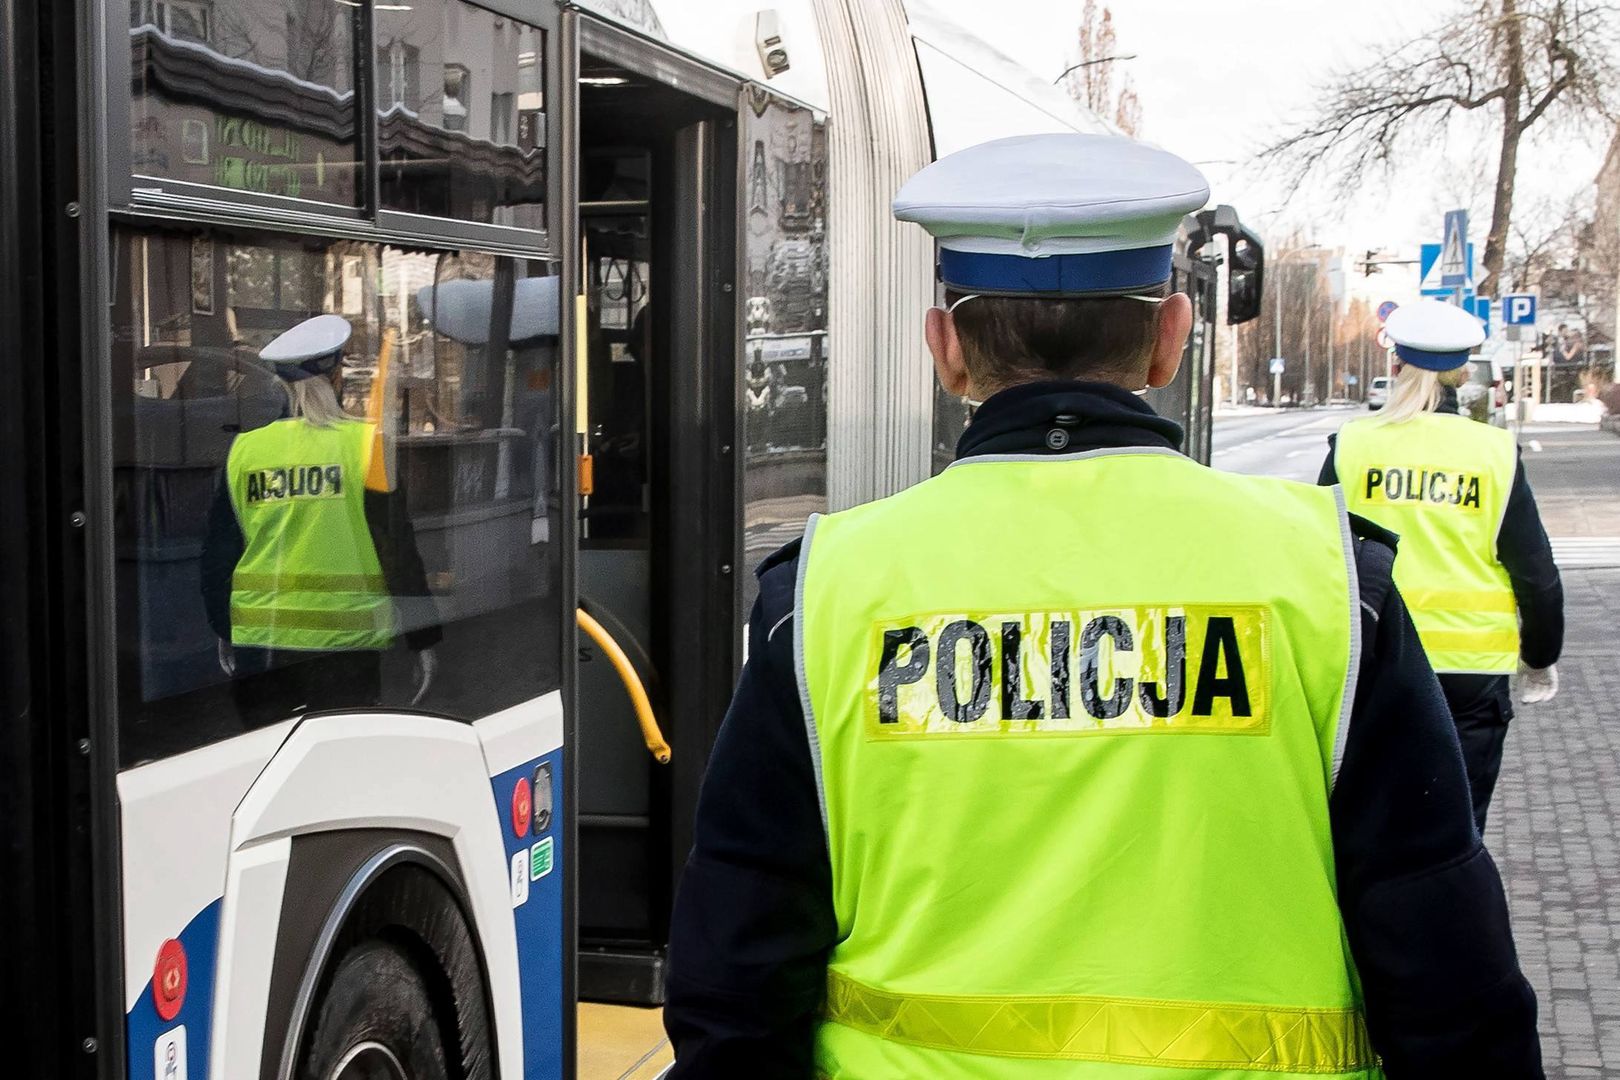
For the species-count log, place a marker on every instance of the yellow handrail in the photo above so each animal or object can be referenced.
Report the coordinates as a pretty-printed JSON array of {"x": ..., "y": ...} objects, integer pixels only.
[{"x": 651, "y": 734}]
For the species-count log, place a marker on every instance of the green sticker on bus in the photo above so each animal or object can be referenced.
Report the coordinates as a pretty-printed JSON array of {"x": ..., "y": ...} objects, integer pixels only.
[{"x": 540, "y": 860}]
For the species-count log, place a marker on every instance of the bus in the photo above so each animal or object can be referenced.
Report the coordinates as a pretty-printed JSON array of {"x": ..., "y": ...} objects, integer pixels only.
[{"x": 625, "y": 305}]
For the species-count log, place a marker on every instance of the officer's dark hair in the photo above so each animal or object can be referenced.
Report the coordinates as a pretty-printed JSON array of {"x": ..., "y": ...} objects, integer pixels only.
[{"x": 1007, "y": 340}]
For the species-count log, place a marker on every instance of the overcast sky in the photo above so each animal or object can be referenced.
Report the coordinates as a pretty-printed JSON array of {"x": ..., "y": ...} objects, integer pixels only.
[{"x": 1217, "y": 76}]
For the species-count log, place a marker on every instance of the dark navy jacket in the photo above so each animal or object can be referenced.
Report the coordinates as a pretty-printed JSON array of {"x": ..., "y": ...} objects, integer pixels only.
[{"x": 1422, "y": 901}]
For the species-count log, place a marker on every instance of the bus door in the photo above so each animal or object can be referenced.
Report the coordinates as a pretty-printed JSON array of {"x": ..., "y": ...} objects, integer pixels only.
[{"x": 656, "y": 565}]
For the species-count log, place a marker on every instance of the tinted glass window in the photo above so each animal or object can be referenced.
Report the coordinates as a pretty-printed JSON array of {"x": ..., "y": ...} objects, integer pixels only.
[
  {"x": 249, "y": 95},
  {"x": 290, "y": 545},
  {"x": 461, "y": 113}
]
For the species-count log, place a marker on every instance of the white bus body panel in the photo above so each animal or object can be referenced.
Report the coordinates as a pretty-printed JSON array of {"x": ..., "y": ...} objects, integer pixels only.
[{"x": 216, "y": 825}]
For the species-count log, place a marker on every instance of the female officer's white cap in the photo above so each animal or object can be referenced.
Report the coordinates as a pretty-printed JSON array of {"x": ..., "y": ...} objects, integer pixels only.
[
  {"x": 311, "y": 348},
  {"x": 1433, "y": 335},
  {"x": 1054, "y": 215}
]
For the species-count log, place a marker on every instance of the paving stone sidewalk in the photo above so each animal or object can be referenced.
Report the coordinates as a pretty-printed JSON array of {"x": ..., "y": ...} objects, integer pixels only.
[{"x": 1555, "y": 831}]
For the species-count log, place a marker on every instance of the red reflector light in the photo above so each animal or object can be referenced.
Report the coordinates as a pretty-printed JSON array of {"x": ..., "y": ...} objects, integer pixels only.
[
  {"x": 522, "y": 807},
  {"x": 169, "y": 979}
]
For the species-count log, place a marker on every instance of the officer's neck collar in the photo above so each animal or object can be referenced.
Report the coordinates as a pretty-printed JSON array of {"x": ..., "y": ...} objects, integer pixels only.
[{"x": 1093, "y": 415}]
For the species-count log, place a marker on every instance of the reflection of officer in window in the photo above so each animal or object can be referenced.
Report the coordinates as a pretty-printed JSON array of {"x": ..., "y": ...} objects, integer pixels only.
[{"x": 308, "y": 547}]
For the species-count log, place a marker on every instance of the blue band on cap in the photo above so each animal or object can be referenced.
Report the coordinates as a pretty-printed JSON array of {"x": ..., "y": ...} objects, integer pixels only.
[
  {"x": 308, "y": 369},
  {"x": 1431, "y": 361},
  {"x": 1064, "y": 275}
]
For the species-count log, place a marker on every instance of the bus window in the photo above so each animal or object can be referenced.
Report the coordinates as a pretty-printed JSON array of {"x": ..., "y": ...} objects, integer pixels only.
[
  {"x": 251, "y": 95},
  {"x": 288, "y": 545},
  {"x": 460, "y": 113}
]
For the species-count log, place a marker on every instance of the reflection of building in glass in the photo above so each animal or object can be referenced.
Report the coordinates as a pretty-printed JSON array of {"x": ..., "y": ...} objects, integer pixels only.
[
  {"x": 260, "y": 97},
  {"x": 784, "y": 359}
]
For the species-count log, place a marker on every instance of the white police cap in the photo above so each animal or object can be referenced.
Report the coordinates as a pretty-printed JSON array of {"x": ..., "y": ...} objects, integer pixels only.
[
  {"x": 311, "y": 348},
  {"x": 461, "y": 310},
  {"x": 1054, "y": 215},
  {"x": 1434, "y": 336}
]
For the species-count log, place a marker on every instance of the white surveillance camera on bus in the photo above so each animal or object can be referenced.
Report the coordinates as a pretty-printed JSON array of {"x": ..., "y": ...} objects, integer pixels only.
[{"x": 773, "y": 54}]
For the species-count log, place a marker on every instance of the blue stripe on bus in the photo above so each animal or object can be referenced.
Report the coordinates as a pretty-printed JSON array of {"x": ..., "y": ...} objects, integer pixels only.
[
  {"x": 143, "y": 1027},
  {"x": 538, "y": 919}
]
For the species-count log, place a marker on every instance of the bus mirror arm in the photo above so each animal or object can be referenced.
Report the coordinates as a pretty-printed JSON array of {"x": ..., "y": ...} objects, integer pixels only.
[{"x": 651, "y": 734}]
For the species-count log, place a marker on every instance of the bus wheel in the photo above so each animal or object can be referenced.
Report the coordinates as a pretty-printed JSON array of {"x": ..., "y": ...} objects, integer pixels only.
[{"x": 376, "y": 1021}]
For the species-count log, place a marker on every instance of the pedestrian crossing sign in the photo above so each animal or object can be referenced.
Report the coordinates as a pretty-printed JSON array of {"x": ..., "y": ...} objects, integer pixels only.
[
  {"x": 1430, "y": 266},
  {"x": 1456, "y": 255}
]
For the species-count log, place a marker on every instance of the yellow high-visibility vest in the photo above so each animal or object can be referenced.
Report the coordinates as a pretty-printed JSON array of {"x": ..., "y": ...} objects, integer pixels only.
[
  {"x": 1075, "y": 723},
  {"x": 309, "y": 576},
  {"x": 1441, "y": 483}
]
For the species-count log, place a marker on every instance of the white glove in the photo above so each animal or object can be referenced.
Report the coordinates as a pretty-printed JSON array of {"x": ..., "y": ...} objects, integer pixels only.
[
  {"x": 1537, "y": 684},
  {"x": 427, "y": 662},
  {"x": 227, "y": 657}
]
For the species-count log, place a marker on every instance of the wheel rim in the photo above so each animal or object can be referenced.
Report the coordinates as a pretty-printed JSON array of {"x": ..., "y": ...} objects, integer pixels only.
[{"x": 369, "y": 1061}]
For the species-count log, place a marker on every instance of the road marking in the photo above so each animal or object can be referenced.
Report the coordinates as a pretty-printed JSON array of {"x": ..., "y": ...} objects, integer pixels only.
[
  {"x": 1296, "y": 453},
  {"x": 1535, "y": 444},
  {"x": 1586, "y": 552}
]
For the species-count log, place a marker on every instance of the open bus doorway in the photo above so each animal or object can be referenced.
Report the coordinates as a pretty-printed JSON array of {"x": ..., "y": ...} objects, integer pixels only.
[{"x": 657, "y": 212}]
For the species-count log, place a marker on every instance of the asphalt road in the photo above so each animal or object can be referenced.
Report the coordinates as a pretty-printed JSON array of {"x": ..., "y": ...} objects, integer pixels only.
[{"x": 1290, "y": 443}]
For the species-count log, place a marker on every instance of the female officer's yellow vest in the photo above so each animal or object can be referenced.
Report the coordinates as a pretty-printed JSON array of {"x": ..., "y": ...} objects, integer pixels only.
[
  {"x": 309, "y": 576},
  {"x": 1075, "y": 722},
  {"x": 1441, "y": 482}
]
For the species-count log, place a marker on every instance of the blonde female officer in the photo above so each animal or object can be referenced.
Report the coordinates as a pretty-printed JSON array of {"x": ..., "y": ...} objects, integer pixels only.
[
  {"x": 1474, "y": 564},
  {"x": 306, "y": 564}
]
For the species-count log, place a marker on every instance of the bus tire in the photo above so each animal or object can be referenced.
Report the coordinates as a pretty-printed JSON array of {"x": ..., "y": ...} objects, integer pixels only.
[
  {"x": 376, "y": 1021},
  {"x": 407, "y": 922}
]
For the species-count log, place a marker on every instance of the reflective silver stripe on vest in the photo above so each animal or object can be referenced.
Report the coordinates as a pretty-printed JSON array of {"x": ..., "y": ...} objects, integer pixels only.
[
  {"x": 798, "y": 671},
  {"x": 1352, "y": 671}
]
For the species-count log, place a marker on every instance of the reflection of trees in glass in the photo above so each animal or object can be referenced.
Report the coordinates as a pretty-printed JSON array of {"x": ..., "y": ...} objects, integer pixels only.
[
  {"x": 281, "y": 280},
  {"x": 308, "y": 39},
  {"x": 250, "y": 277}
]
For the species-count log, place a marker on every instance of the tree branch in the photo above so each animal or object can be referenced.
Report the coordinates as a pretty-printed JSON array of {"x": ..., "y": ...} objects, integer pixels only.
[{"x": 1540, "y": 107}]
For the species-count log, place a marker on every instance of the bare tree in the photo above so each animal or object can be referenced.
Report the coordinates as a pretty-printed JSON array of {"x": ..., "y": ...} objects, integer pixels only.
[
  {"x": 1093, "y": 79},
  {"x": 1549, "y": 237},
  {"x": 1518, "y": 62},
  {"x": 1303, "y": 336}
]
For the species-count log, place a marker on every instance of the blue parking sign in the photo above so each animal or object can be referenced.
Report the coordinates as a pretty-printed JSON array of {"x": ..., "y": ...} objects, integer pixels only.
[{"x": 1519, "y": 309}]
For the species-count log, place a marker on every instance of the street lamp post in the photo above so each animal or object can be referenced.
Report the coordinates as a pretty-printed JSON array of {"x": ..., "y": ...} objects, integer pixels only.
[{"x": 1276, "y": 377}]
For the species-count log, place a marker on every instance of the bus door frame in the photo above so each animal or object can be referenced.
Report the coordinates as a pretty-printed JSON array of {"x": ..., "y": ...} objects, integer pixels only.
[
  {"x": 701, "y": 432},
  {"x": 50, "y": 763}
]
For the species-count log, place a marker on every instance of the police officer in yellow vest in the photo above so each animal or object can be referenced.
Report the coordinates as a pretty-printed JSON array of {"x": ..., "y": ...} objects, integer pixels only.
[
  {"x": 1082, "y": 759},
  {"x": 1474, "y": 561},
  {"x": 305, "y": 562}
]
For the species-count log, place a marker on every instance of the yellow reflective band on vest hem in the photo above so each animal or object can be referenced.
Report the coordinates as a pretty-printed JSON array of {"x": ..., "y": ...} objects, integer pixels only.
[
  {"x": 1126, "y": 1031},
  {"x": 1449, "y": 600},
  {"x": 338, "y": 619},
  {"x": 321, "y": 583},
  {"x": 1492, "y": 641}
]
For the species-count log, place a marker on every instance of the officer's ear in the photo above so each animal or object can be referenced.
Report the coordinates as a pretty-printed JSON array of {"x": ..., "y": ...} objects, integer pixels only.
[
  {"x": 939, "y": 328},
  {"x": 1170, "y": 338}
]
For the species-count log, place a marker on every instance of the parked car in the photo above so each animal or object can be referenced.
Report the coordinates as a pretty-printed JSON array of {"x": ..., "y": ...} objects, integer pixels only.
[
  {"x": 1378, "y": 393},
  {"x": 1482, "y": 396}
]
